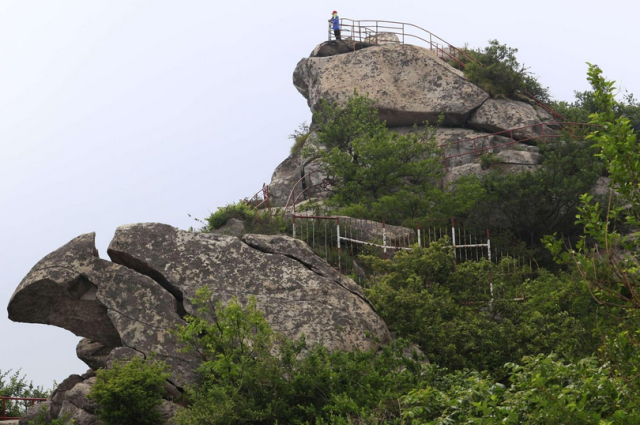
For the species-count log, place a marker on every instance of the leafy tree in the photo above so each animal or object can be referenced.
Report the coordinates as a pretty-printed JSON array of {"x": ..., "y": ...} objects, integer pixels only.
[
  {"x": 585, "y": 104},
  {"x": 250, "y": 374},
  {"x": 447, "y": 313},
  {"x": 129, "y": 392},
  {"x": 542, "y": 390},
  {"x": 532, "y": 204},
  {"x": 607, "y": 255},
  {"x": 379, "y": 173},
  {"x": 16, "y": 385},
  {"x": 496, "y": 70}
]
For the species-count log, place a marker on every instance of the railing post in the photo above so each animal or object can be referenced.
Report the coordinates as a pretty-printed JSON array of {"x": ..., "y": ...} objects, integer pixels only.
[
  {"x": 4, "y": 408},
  {"x": 419, "y": 241},
  {"x": 294, "y": 226},
  {"x": 572, "y": 132},
  {"x": 453, "y": 241},
  {"x": 490, "y": 269},
  {"x": 339, "y": 248},
  {"x": 384, "y": 238}
]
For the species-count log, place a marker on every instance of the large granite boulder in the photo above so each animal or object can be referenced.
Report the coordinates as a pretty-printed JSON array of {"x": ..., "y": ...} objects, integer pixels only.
[
  {"x": 125, "y": 308},
  {"x": 107, "y": 303},
  {"x": 411, "y": 84},
  {"x": 497, "y": 115},
  {"x": 296, "y": 299}
]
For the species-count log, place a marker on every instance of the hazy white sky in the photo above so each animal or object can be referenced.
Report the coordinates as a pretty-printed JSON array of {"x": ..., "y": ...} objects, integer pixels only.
[{"x": 123, "y": 111}]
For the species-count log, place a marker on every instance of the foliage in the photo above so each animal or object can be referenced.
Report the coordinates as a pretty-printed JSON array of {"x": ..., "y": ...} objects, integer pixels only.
[
  {"x": 584, "y": 105},
  {"x": 241, "y": 211},
  {"x": 446, "y": 310},
  {"x": 543, "y": 390},
  {"x": 129, "y": 392},
  {"x": 250, "y": 374},
  {"x": 379, "y": 173},
  {"x": 605, "y": 256},
  {"x": 41, "y": 419},
  {"x": 535, "y": 203},
  {"x": 299, "y": 136},
  {"x": 496, "y": 70},
  {"x": 16, "y": 385},
  {"x": 254, "y": 220}
]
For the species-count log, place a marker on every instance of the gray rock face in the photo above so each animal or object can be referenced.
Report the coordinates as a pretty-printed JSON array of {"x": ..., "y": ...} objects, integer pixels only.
[
  {"x": 294, "y": 298},
  {"x": 105, "y": 302},
  {"x": 332, "y": 48},
  {"x": 382, "y": 38},
  {"x": 233, "y": 227},
  {"x": 132, "y": 305},
  {"x": 94, "y": 354},
  {"x": 500, "y": 114},
  {"x": 288, "y": 173},
  {"x": 410, "y": 83},
  {"x": 462, "y": 146}
]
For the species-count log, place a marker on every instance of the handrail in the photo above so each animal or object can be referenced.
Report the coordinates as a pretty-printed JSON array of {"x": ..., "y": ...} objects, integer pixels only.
[
  {"x": 293, "y": 198},
  {"x": 512, "y": 141},
  {"x": 256, "y": 201},
  {"x": 367, "y": 31},
  {"x": 443, "y": 49},
  {"x": 4, "y": 405}
]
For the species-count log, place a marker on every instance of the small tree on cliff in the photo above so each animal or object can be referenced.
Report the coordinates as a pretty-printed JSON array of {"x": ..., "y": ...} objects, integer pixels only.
[{"x": 378, "y": 173}]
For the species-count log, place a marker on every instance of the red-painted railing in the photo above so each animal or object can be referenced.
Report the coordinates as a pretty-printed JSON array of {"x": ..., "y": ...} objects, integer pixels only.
[
  {"x": 306, "y": 192},
  {"x": 4, "y": 416},
  {"x": 260, "y": 199},
  {"x": 539, "y": 132}
]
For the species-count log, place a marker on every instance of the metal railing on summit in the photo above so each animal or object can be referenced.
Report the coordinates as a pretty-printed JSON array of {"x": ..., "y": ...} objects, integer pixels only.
[{"x": 370, "y": 32}]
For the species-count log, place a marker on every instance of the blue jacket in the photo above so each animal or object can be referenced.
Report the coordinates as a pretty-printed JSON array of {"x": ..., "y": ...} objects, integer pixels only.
[{"x": 336, "y": 22}]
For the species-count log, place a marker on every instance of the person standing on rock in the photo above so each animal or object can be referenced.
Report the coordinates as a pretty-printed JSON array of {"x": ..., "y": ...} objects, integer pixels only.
[{"x": 336, "y": 24}]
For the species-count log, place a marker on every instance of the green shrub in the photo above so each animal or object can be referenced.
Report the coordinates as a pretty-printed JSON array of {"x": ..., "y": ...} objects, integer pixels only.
[
  {"x": 497, "y": 71},
  {"x": 445, "y": 310},
  {"x": 241, "y": 211},
  {"x": 543, "y": 390},
  {"x": 15, "y": 385},
  {"x": 299, "y": 136},
  {"x": 250, "y": 374},
  {"x": 129, "y": 392},
  {"x": 41, "y": 419}
]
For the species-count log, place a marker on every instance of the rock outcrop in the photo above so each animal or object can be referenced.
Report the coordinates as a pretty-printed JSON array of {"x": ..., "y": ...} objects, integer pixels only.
[
  {"x": 497, "y": 115},
  {"x": 126, "y": 307},
  {"x": 410, "y": 84},
  {"x": 329, "y": 309}
]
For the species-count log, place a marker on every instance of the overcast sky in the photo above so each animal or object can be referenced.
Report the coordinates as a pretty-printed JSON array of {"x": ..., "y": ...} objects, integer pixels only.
[{"x": 115, "y": 112}]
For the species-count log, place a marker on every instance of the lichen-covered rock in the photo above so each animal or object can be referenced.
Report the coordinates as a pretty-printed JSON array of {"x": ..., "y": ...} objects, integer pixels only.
[
  {"x": 295, "y": 298},
  {"x": 291, "y": 171},
  {"x": 105, "y": 302},
  {"x": 233, "y": 227},
  {"x": 382, "y": 38},
  {"x": 94, "y": 354},
  {"x": 411, "y": 84},
  {"x": 497, "y": 115}
]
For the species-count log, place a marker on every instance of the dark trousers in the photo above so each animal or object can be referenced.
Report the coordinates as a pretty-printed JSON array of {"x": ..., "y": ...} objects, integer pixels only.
[{"x": 337, "y": 34}]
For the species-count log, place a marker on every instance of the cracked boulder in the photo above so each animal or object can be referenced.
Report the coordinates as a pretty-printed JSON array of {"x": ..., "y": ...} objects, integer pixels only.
[
  {"x": 410, "y": 83},
  {"x": 297, "y": 291},
  {"x": 109, "y": 304},
  {"x": 497, "y": 115}
]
